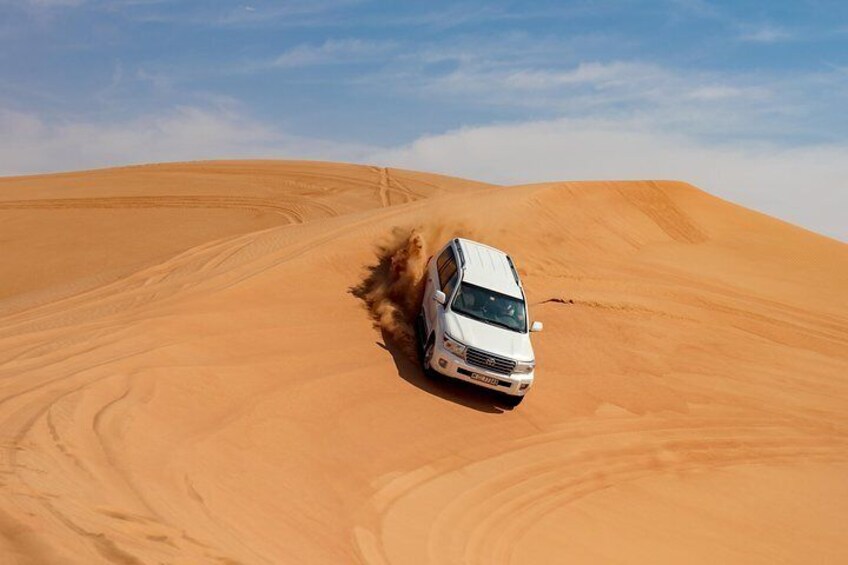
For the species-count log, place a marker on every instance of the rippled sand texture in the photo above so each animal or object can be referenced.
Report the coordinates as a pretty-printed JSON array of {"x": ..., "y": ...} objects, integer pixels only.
[{"x": 188, "y": 376}]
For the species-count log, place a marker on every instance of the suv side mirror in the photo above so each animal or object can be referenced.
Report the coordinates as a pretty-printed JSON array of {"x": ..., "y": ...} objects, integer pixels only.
[
  {"x": 536, "y": 327},
  {"x": 440, "y": 297}
]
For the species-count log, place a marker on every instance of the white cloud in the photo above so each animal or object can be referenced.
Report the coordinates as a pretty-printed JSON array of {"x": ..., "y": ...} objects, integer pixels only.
[
  {"x": 600, "y": 87},
  {"x": 595, "y": 74},
  {"x": 724, "y": 92},
  {"x": 30, "y": 144},
  {"x": 729, "y": 104},
  {"x": 765, "y": 33},
  {"x": 805, "y": 185},
  {"x": 332, "y": 51}
]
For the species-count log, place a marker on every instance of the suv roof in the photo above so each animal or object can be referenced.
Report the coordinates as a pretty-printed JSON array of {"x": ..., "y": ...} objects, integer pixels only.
[{"x": 488, "y": 267}]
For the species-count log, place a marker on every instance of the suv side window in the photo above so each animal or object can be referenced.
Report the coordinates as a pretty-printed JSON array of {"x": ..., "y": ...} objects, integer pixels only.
[
  {"x": 451, "y": 284},
  {"x": 444, "y": 257},
  {"x": 447, "y": 269}
]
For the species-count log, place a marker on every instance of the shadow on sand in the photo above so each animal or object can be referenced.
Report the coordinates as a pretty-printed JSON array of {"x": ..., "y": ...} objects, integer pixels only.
[{"x": 459, "y": 392}]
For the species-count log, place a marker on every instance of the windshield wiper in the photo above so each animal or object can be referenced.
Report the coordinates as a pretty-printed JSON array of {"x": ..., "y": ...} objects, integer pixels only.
[
  {"x": 470, "y": 315},
  {"x": 501, "y": 324},
  {"x": 485, "y": 320}
]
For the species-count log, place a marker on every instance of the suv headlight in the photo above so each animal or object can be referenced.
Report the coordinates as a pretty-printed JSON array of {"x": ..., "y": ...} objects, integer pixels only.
[
  {"x": 454, "y": 346},
  {"x": 524, "y": 367}
]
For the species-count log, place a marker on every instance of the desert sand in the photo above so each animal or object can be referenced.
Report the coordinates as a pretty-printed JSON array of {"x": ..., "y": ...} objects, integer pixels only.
[{"x": 189, "y": 374}]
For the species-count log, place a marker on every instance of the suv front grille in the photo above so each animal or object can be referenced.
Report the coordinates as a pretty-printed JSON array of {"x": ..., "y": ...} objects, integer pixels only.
[{"x": 489, "y": 361}]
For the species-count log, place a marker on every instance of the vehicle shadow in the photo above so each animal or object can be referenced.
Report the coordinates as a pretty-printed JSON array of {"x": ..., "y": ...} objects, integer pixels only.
[{"x": 459, "y": 392}]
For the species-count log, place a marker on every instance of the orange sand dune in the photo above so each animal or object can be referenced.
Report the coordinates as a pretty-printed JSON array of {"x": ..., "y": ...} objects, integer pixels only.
[{"x": 188, "y": 376}]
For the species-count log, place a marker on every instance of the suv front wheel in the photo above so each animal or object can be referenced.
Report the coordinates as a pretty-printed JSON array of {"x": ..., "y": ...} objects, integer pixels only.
[{"x": 427, "y": 355}]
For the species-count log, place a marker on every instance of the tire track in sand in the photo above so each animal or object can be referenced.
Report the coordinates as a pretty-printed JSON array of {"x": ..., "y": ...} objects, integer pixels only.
[
  {"x": 383, "y": 186},
  {"x": 223, "y": 202},
  {"x": 494, "y": 500},
  {"x": 389, "y": 185},
  {"x": 93, "y": 311}
]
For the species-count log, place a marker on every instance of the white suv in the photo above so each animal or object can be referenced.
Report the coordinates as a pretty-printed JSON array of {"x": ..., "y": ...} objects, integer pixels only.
[{"x": 474, "y": 322}]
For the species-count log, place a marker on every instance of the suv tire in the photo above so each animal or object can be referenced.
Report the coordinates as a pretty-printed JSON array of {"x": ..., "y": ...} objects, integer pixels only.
[{"x": 427, "y": 355}]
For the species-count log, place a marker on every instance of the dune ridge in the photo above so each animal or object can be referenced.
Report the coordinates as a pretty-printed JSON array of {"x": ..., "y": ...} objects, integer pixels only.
[{"x": 190, "y": 372}]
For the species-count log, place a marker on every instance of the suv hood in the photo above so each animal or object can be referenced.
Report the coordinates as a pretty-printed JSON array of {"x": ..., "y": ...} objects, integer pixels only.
[{"x": 487, "y": 337}]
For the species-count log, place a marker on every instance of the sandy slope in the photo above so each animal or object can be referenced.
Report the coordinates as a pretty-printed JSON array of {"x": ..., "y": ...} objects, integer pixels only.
[{"x": 185, "y": 376}]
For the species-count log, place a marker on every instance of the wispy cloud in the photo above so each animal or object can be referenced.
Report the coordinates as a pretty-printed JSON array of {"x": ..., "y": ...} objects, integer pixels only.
[
  {"x": 724, "y": 92},
  {"x": 29, "y": 143},
  {"x": 257, "y": 13},
  {"x": 554, "y": 77},
  {"x": 333, "y": 51},
  {"x": 611, "y": 88},
  {"x": 739, "y": 27},
  {"x": 503, "y": 80},
  {"x": 764, "y": 33}
]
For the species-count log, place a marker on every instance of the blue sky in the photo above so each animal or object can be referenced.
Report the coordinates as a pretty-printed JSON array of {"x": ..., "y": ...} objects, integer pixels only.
[{"x": 746, "y": 99}]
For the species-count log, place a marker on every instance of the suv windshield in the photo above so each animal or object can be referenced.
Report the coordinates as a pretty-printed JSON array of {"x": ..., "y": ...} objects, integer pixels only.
[{"x": 490, "y": 307}]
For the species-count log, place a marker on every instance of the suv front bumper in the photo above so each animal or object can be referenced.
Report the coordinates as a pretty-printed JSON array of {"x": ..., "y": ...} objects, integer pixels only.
[{"x": 447, "y": 363}]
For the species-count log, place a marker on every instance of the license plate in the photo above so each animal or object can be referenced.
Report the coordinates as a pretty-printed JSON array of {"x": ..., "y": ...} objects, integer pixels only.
[{"x": 484, "y": 379}]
